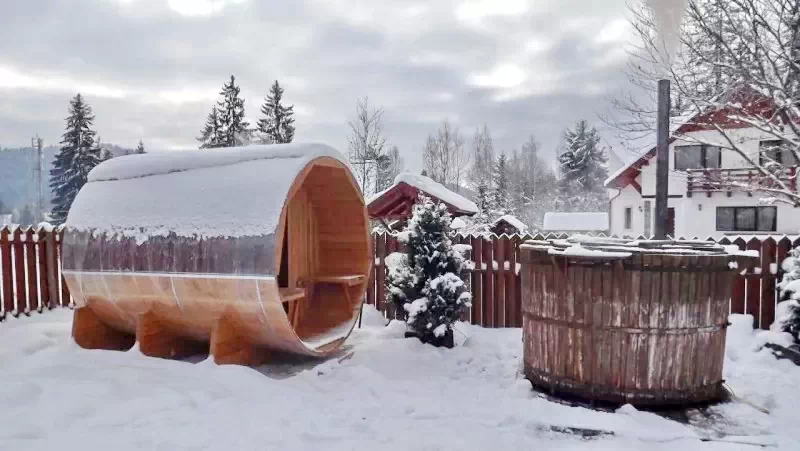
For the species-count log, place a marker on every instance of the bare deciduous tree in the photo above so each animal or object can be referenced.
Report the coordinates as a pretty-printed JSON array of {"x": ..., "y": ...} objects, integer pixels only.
[
  {"x": 366, "y": 144},
  {"x": 444, "y": 156}
]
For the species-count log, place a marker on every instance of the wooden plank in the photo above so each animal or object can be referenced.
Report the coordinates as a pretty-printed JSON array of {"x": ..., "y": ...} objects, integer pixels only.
[
  {"x": 380, "y": 273},
  {"x": 6, "y": 277},
  {"x": 784, "y": 246},
  {"x": 769, "y": 250},
  {"x": 753, "y": 299},
  {"x": 21, "y": 304},
  {"x": 738, "y": 292},
  {"x": 371, "y": 300},
  {"x": 44, "y": 280},
  {"x": 32, "y": 270},
  {"x": 476, "y": 316},
  {"x": 500, "y": 282},
  {"x": 65, "y": 298},
  {"x": 511, "y": 295},
  {"x": 488, "y": 284},
  {"x": 53, "y": 276}
]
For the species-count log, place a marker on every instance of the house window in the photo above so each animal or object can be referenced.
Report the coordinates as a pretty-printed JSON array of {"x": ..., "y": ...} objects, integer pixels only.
[
  {"x": 747, "y": 219},
  {"x": 628, "y": 217},
  {"x": 774, "y": 150},
  {"x": 697, "y": 157},
  {"x": 648, "y": 217}
]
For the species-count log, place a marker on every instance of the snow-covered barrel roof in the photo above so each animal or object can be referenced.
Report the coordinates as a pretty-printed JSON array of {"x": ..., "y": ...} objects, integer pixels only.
[
  {"x": 575, "y": 221},
  {"x": 227, "y": 192}
]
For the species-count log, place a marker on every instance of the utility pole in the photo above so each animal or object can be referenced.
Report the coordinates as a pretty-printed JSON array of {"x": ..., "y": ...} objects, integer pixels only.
[
  {"x": 37, "y": 144},
  {"x": 662, "y": 161}
]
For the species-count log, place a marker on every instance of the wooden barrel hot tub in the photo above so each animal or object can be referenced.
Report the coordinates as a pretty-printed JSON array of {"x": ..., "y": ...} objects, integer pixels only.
[
  {"x": 616, "y": 322},
  {"x": 236, "y": 251}
]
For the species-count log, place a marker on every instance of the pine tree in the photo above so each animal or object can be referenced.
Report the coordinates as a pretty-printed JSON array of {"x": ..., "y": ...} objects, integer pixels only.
[
  {"x": 140, "y": 148},
  {"x": 211, "y": 135},
  {"x": 277, "y": 125},
  {"x": 78, "y": 156},
  {"x": 583, "y": 170},
  {"x": 501, "y": 196},
  {"x": 234, "y": 129},
  {"x": 425, "y": 282}
]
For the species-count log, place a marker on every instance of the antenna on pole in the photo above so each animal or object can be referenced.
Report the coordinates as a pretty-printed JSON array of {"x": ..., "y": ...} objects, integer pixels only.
[{"x": 37, "y": 144}]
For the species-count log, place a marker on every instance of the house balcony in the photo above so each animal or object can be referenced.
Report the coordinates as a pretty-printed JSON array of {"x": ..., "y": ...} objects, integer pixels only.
[{"x": 727, "y": 181}]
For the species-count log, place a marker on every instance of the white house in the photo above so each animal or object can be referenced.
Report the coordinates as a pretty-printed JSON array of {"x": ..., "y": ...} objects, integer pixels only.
[{"x": 703, "y": 199}]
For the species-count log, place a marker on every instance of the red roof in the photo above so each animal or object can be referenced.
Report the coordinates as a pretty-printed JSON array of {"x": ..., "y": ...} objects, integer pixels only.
[
  {"x": 397, "y": 202},
  {"x": 748, "y": 103}
]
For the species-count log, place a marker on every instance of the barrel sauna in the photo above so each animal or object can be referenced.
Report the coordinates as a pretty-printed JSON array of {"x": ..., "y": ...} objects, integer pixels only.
[
  {"x": 617, "y": 322},
  {"x": 240, "y": 252}
]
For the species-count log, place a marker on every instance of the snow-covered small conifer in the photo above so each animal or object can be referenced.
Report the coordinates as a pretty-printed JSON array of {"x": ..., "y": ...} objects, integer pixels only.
[
  {"x": 425, "y": 282},
  {"x": 787, "y": 316},
  {"x": 140, "y": 148}
]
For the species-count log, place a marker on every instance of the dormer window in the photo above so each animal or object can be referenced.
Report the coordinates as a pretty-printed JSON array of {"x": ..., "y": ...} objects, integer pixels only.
[{"x": 698, "y": 156}]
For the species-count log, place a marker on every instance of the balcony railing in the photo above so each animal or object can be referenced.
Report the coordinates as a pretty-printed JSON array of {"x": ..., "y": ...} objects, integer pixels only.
[{"x": 738, "y": 179}]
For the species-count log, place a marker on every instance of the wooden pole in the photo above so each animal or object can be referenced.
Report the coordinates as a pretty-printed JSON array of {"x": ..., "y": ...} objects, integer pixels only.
[{"x": 662, "y": 161}]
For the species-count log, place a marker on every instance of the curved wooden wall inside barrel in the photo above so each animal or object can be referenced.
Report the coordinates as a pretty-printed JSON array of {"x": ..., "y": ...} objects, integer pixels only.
[{"x": 298, "y": 290}]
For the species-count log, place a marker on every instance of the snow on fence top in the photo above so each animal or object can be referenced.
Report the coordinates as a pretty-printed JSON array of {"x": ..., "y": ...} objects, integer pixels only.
[
  {"x": 575, "y": 221},
  {"x": 227, "y": 192}
]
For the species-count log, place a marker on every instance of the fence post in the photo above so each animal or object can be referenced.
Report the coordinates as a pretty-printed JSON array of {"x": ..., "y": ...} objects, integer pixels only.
[
  {"x": 6, "y": 278},
  {"x": 477, "y": 280},
  {"x": 768, "y": 255},
  {"x": 65, "y": 298},
  {"x": 753, "y": 301},
  {"x": 44, "y": 278},
  {"x": 20, "y": 305},
  {"x": 32, "y": 269},
  {"x": 488, "y": 283},
  {"x": 52, "y": 269}
]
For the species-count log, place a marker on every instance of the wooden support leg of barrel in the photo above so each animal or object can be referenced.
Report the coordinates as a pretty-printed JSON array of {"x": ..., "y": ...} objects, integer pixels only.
[
  {"x": 89, "y": 332},
  {"x": 155, "y": 340},
  {"x": 231, "y": 348}
]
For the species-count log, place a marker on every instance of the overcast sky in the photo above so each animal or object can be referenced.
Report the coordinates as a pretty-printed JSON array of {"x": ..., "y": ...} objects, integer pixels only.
[{"x": 151, "y": 69}]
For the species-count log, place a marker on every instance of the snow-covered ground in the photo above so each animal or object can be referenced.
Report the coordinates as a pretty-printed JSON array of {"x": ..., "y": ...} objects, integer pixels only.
[{"x": 383, "y": 392}]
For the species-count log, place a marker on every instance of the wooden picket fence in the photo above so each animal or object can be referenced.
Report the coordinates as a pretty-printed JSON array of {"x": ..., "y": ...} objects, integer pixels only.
[
  {"x": 31, "y": 281},
  {"x": 496, "y": 285},
  {"x": 30, "y": 271}
]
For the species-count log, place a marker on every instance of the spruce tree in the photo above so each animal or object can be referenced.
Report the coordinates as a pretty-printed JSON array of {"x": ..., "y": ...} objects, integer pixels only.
[
  {"x": 583, "y": 170},
  {"x": 234, "y": 129},
  {"x": 211, "y": 135},
  {"x": 277, "y": 125},
  {"x": 501, "y": 196},
  {"x": 424, "y": 283},
  {"x": 140, "y": 148},
  {"x": 78, "y": 156}
]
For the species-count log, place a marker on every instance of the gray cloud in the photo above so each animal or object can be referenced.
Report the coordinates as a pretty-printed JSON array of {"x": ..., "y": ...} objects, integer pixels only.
[{"x": 151, "y": 72}]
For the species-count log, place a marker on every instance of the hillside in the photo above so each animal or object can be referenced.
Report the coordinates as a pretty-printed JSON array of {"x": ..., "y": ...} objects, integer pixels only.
[{"x": 17, "y": 184}]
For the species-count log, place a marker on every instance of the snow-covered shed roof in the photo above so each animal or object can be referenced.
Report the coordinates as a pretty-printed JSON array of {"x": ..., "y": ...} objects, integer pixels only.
[
  {"x": 229, "y": 192},
  {"x": 576, "y": 221},
  {"x": 396, "y": 201},
  {"x": 511, "y": 220},
  {"x": 457, "y": 224}
]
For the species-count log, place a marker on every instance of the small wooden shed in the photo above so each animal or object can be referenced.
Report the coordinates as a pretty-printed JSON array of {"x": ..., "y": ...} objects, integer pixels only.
[
  {"x": 251, "y": 248},
  {"x": 508, "y": 224},
  {"x": 396, "y": 202}
]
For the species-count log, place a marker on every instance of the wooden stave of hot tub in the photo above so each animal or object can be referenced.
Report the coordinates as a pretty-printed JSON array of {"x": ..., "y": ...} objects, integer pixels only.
[
  {"x": 178, "y": 296},
  {"x": 591, "y": 328}
]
